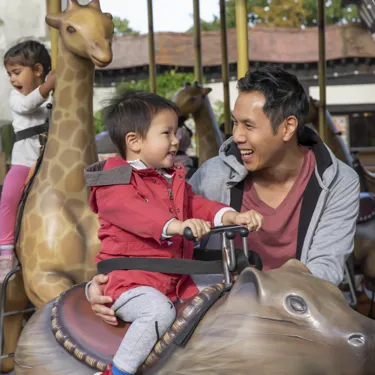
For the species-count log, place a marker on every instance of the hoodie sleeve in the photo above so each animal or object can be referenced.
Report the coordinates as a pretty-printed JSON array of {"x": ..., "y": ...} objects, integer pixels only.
[
  {"x": 333, "y": 239},
  {"x": 124, "y": 207}
]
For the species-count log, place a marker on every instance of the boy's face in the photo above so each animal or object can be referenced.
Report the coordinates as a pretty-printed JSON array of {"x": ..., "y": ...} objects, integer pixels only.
[
  {"x": 159, "y": 147},
  {"x": 23, "y": 78}
]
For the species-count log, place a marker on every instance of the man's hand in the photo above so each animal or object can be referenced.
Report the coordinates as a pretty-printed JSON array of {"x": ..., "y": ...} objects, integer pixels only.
[
  {"x": 251, "y": 219},
  {"x": 98, "y": 301}
]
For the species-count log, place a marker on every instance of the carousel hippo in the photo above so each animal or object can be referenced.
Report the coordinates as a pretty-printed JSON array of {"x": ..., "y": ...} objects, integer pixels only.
[{"x": 283, "y": 321}]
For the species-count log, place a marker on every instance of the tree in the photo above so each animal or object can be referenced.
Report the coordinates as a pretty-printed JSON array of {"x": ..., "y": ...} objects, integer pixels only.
[
  {"x": 167, "y": 84},
  {"x": 281, "y": 13},
  {"x": 287, "y": 13},
  {"x": 208, "y": 25},
  {"x": 122, "y": 27}
]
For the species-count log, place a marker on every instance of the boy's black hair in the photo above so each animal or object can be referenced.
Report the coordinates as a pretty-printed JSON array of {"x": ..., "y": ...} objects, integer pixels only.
[
  {"x": 29, "y": 53},
  {"x": 133, "y": 111},
  {"x": 283, "y": 92}
]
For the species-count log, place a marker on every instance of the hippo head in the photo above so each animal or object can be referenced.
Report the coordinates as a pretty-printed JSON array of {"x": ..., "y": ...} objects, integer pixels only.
[{"x": 283, "y": 321}]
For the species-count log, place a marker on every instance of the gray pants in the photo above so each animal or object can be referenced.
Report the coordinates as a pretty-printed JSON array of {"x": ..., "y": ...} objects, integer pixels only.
[{"x": 151, "y": 313}]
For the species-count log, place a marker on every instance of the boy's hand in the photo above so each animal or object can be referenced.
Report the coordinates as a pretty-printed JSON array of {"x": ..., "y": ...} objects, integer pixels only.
[
  {"x": 251, "y": 219},
  {"x": 198, "y": 227}
]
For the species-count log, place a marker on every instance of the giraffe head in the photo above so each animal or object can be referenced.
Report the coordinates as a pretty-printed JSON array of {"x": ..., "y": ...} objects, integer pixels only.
[
  {"x": 190, "y": 98},
  {"x": 85, "y": 31}
]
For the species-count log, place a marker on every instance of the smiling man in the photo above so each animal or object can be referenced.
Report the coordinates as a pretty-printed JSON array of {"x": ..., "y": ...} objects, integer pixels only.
[
  {"x": 276, "y": 166},
  {"x": 280, "y": 168}
]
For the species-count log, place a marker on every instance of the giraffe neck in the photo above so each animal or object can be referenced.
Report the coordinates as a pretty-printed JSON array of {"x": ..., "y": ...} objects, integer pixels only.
[
  {"x": 207, "y": 126},
  {"x": 71, "y": 141}
]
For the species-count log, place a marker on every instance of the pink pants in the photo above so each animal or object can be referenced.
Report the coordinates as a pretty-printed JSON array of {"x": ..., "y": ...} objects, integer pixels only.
[{"x": 10, "y": 199}]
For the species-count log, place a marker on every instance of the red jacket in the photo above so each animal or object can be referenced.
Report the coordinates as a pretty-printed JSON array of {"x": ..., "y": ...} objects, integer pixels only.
[{"x": 133, "y": 207}]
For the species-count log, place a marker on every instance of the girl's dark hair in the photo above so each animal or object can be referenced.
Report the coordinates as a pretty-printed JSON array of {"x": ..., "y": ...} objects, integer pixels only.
[
  {"x": 133, "y": 111},
  {"x": 29, "y": 53},
  {"x": 283, "y": 92}
]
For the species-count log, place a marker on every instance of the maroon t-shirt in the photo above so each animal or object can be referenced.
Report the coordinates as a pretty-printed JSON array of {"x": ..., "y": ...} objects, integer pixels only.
[{"x": 276, "y": 242}]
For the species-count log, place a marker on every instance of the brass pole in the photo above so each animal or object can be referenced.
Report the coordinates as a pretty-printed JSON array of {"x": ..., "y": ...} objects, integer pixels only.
[
  {"x": 225, "y": 68},
  {"x": 322, "y": 70},
  {"x": 151, "y": 48},
  {"x": 242, "y": 38},
  {"x": 197, "y": 43},
  {"x": 54, "y": 6}
]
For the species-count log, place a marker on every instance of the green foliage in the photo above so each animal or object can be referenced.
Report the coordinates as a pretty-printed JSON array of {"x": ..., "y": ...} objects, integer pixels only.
[
  {"x": 166, "y": 84},
  {"x": 122, "y": 27},
  {"x": 218, "y": 109},
  {"x": 286, "y": 13},
  {"x": 208, "y": 25},
  {"x": 98, "y": 122}
]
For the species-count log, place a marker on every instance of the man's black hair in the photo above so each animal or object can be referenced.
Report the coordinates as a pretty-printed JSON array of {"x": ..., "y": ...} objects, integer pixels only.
[
  {"x": 283, "y": 92},
  {"x": 29, "y": 53},
  {"x": 133, "y": 111}
]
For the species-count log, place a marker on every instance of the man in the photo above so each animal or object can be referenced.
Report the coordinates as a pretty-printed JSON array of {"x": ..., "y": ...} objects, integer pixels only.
[{"x": 280, "y": 168}]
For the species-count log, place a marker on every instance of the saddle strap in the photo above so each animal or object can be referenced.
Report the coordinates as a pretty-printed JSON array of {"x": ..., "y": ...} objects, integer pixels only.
[
  {"x": 185, "y": 335},
  {"x": 30, "y": 132}
]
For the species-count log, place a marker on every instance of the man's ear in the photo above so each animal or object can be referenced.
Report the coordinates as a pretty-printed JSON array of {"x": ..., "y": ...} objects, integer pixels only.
[
  {"x": 133, "y": 141},
  {"x": 38, "y": 70},
  {"x": 290, "y": 126}
]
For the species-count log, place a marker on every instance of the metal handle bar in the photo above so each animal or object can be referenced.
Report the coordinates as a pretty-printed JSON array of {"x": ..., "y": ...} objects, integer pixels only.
[{"x": 228, "y": 229}]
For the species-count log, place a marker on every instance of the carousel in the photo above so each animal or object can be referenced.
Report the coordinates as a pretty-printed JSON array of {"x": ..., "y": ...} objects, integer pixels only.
[{"x": 273, "y": 322}]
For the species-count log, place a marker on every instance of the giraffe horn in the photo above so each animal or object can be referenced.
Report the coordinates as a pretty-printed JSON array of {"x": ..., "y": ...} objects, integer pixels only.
[
  {"x": 71, "y": 4},
  {"x": 95, "y": 4}
]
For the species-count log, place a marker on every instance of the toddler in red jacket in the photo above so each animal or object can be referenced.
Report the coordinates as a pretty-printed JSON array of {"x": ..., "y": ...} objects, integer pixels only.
[{"x": 144, "y": 204}]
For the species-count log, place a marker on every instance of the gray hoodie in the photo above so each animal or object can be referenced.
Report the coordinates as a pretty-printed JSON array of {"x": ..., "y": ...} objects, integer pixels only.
[{"x": 329, "y": 209}]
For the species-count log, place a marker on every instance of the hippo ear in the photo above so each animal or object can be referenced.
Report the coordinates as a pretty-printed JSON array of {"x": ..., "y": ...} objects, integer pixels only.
[
  {"x": 206, "y": 91},
  {"x": 295, "y": 265}
]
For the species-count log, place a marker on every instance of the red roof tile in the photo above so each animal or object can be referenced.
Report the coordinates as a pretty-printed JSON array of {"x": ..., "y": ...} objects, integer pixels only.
[{"x": 267, "y": 44}]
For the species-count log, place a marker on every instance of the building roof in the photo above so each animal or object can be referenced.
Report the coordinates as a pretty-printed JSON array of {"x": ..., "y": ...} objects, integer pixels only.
[{"x": 266, "y": 44}]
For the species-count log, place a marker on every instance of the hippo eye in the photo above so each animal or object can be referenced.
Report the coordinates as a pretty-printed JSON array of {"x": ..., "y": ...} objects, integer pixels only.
[
  {"x": 296, "y": 304},
  {"x": 70, "y": 29},
  {"x": 356, "y": 339}
]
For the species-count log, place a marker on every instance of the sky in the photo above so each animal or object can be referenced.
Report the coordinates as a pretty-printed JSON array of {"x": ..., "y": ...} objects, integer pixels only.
[{"x": 169, "y": 15}]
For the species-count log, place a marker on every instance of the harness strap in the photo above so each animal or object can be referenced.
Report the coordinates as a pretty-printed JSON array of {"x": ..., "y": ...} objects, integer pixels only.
[
  {"x": 30, "y": 132},
  {"x": 206, "y": 262},
  {"x": 178, "y": 266}
]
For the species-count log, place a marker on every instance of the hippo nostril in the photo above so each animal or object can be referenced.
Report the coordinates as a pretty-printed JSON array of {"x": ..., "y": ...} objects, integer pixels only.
[{"x": 356, "y": 339}]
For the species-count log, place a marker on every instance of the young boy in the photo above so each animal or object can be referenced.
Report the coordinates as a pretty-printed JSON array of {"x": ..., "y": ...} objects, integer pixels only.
[{"x": 144, "y": 205}]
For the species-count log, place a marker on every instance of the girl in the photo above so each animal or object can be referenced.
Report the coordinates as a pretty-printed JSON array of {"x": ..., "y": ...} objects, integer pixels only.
[{"x": 27, "y": 65}]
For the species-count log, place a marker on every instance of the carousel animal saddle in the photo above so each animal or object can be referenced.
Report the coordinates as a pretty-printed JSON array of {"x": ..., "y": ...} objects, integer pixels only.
[
  {"x": 92, "y": 341},
  {"x": 366, "y": 217}
]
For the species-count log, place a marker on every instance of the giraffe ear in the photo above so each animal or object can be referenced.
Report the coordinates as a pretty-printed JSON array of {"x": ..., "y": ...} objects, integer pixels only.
[
  {"x": 95, "y": 4},
  {"x": 71, "y": 4},
  {"x": 109, "y": 15},
  {"x": 53, "y": 20},
  {"x": 206, "y": 91}
]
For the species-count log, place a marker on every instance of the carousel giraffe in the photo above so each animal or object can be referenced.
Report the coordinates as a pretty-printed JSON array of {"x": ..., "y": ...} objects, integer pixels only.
[
  {"x": 58, "y": 237},
  {"x": 192, "y": 99}
]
